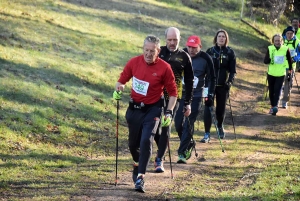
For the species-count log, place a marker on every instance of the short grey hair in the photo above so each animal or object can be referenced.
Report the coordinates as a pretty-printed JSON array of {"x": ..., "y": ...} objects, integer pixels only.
[
  {"x": 174, "y": 28},
  {"x": 152, "y": 39}
]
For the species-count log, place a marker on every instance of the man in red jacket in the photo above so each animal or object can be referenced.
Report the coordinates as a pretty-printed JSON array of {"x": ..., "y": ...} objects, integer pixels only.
[{"x": 149, "y": 75}]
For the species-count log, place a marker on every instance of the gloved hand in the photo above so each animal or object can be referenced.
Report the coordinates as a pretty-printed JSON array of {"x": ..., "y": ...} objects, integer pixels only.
[
  {"x": 209, "y": 100},
  {"x": 117, "y": 95},
  {"x": 288, "y": 77},
  {"x": 166, "y": 120},
  {"x": 227, "y": 85}
]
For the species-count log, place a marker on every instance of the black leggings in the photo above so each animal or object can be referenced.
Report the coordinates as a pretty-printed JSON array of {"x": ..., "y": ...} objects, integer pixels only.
[
  {"x": 275, "y": 84},
  {"x": 221, "y": 95}
]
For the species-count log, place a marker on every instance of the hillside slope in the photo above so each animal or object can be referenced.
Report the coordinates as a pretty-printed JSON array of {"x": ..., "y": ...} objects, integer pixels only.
[{"x": 59, "y": 61}]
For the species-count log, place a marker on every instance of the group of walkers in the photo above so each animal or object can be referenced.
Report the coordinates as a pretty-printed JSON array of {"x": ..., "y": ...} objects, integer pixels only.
[
  {"x": 169, "y": 83},
  {"x": 282, "y": 57}
]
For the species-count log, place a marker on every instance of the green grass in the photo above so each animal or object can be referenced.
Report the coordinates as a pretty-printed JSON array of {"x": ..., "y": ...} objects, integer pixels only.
[{"x": 59, "y": 61}]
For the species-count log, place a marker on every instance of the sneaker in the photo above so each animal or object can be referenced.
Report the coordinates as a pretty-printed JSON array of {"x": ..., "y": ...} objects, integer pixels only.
[
  {"x": 188, "y": 152},
  {"x": 135, "y": 171},
  {"x": 275, "y": 110},
  {"x": 221, "y": 132},
  {"x": 206, "y": 138},
  {"x": 139, "y": 184},
  {"x": 284, "y": 105},
  {"x": 271, "y": 111},
  {"x": 158, "y": 164},
  {"x": 181, "y": 159}
]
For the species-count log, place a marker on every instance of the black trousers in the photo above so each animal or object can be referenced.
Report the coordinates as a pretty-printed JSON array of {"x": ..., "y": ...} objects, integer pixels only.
[
  {"x": 275, "y": 84},
  {"x": 221, "y": 95},
  {"x": 140, "y": 125}
]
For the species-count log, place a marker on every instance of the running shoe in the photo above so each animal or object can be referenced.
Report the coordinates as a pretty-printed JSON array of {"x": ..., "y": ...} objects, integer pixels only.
[
  {"x": 140, "y": 184},
  {"x": 206, "y": 138},
  {"x": 158, "y": 164},
  {"x": 181, "y": 159}
]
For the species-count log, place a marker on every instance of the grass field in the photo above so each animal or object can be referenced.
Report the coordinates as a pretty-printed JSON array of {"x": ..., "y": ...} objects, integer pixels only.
[{"x": 59, "y": 61}]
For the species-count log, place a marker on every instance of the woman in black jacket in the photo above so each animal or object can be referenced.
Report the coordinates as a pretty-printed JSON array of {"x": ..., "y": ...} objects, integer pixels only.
[{"x": 225, "y": 69}]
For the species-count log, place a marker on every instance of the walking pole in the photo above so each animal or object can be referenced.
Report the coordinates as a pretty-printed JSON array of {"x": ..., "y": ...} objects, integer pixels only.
[
  {"x": 117, "y": 142},
  {"x": 266, "y": 88},
  {"x": 172, "y": 176},
  {"x": 190, "y": 131},
  {"x": 168, "y": 136},
  {"x": 231, "y": 116},
  {"x": 215, "y": 123}
]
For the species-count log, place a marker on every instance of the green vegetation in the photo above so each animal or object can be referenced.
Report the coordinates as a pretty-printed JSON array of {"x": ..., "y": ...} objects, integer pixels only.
[{"x": 59, "y": 61}]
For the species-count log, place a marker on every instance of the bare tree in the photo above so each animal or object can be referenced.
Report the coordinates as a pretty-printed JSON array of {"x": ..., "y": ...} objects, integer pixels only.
[{"x": 276, "y": 9}]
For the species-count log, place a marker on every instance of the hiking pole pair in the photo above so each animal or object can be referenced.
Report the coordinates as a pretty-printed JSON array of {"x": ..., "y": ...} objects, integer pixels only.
[{"x": 216, "y": 125}]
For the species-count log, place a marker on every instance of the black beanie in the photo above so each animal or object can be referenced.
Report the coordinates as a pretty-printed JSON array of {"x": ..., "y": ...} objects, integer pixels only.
[{"x": 290, "y": 28}]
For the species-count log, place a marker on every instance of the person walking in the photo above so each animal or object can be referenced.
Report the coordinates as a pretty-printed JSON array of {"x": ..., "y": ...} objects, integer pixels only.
[
  {"x": 182, "y": 69},
  {"x": 295, "y": 24},
  {"x": 150, "y": 75},
  {"x": 279, "y": 58},
  {"x": 293, "y": 43},
  {"x": 204, "y": 86},
  {"x": 225, "y": 70}
]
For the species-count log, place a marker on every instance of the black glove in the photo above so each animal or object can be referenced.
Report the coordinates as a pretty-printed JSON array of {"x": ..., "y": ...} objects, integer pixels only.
[
  {"x": 288, "y": 77},
  {"x": 209, "y": 100},
  {"x": 227, "y": 85}
]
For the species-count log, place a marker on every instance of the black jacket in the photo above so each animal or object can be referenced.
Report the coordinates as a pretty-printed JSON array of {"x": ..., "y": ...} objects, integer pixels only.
[
  {"x": 182, "y": 68},
  {"x": 224, "y": 63}
]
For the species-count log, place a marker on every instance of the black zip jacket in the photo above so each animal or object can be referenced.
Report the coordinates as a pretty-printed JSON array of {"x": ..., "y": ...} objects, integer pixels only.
[
  {"x": 203, "y": 68},
  {"x": 182, "y": 68},
  {"x": 224, "y": 63}
]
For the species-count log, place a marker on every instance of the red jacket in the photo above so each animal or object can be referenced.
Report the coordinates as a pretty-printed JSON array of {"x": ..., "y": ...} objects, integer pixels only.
[{"x": 148, "y": 80}]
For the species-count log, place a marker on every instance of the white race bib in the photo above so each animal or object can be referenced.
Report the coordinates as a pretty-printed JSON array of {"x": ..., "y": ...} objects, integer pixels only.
[
  {"x": 278, "y": 59},
  {"x": 196, "y": 80},
  {"x": 195, "y": 83},
  {"x": 293, "y": 53},
  {"x": 205, "y": 92},
  {"x": 140, "y": 86}
]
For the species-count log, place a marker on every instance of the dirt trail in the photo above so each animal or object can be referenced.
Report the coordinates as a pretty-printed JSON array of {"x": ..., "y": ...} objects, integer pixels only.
[{"x": 248, "y": 122}]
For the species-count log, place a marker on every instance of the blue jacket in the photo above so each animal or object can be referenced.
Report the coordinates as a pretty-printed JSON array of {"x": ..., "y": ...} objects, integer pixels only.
[{"x": 296, "y": 45}]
